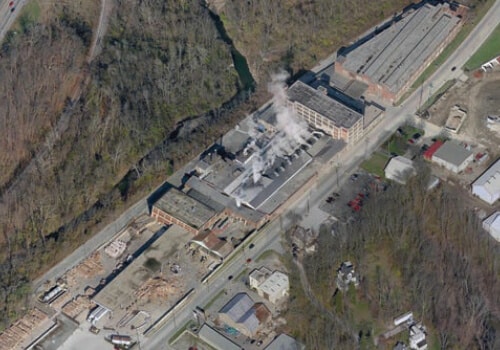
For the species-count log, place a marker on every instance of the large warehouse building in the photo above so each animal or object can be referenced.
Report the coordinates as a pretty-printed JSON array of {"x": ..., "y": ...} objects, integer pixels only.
[
  {"x": 487, "y": 186},
  {"x": 391, "y": 60}
]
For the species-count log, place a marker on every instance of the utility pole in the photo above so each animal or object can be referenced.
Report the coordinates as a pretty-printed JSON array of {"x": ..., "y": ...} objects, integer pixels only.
[{"x": 337, "y": 167}]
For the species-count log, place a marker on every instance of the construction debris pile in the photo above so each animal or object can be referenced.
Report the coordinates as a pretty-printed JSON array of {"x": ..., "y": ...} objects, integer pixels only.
[
  {"x": 76, "y": 306},
  {"x": 159, "y": 288},
  {"x": 88, "y": 268},
  {"x": 115, "y": 248},
  {"x": 23, "y": 328}
]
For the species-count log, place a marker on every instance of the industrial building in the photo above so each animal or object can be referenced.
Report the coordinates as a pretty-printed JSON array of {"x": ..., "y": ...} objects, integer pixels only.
[
  {"x": 271, "y": 286},
  {"x": 176, "y": 207},
  {"x": 322, "y": 111},
  {"x": 257, "y": 166},
  {"x": 487, "y": 186},
  {"x": 398, "y": 169},
  {"x": 390, "y": 59},
  {"x": 453, "y": 157},
  {"x": 492, "y": 225},
  {"x": 242, "y": 314}
]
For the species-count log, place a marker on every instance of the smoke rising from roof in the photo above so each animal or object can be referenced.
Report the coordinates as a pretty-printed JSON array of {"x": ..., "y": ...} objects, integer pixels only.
[
  {"x": 292, "y": 131},
  {"x": 271, "y": 151}
]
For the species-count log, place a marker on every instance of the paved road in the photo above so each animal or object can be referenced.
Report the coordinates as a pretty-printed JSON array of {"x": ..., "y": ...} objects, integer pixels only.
[
  {"x": 395, "y": 117},
  {"x": 7, "y": 17}
]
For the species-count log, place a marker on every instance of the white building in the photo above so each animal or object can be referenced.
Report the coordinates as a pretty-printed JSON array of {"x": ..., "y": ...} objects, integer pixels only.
[
  {"x": 418, "y": 339},
  {"x": 487, "y": 186},
  {"x": 345, "y": 276},
  {"x": 453, "y": 157},
  {"x": 399, "y": 169},
  {"x": 272, "y": 287},
  {"x": 258, "y": 276},
  {"x": 492, "y": 225}
]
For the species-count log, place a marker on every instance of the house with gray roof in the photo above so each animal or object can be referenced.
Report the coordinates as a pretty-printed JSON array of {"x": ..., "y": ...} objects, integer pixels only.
[{"x": 453, "y": 157}]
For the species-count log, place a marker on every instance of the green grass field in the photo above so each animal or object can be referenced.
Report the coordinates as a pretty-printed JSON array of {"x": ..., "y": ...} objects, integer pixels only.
[
  {"x": 489, "y": 50},
  {"x": 376, "y": 164}
]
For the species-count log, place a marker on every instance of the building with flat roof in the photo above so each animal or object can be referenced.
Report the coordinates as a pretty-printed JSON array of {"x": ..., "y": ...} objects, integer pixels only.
[
  {"x": 176, "y": 207},
  {"x": 324, "y": 112},
  {"x": 275, "y": 287},
  {"x": 272, "y": 286},
  {"x": 244, "y": 315},
  {"x": 258, "y": 276},
  {"x": 399, "y": 169},
  {"x": 487, "y": 186},
  {"x": 284, "y": 342},
  {"x": 121, "y": 291},
  {"x": 453, "y": 157},
  {"x": 492, "y": 225},
  {"x": 393, "y": 57},
  {"x": 216, "y": 339}
]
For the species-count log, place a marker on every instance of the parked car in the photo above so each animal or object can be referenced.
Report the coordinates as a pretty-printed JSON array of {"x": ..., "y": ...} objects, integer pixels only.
[{"x": 251, "y": 246}]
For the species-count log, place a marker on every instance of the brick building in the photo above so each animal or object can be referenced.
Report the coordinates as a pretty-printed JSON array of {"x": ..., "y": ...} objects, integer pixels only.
[
  {"x": 393, "y": 58},
  {"x": 326, "y": 113},
  {"x": 176, "y": 207}
]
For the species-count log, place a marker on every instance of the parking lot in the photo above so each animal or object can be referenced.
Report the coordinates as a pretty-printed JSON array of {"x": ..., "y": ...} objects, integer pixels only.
[{"x": 345, "y": 204}]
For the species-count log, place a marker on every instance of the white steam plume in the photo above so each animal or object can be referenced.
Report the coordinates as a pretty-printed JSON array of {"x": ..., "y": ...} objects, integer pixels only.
[{"x": 292, "y": 130}]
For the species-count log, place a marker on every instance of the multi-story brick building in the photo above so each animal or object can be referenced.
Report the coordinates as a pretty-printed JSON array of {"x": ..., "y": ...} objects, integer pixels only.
[{"x": 326, "y": 113}]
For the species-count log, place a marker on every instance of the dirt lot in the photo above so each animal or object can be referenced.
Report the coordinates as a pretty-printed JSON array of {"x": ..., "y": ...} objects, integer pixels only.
[{"x": 480, "y": 97}]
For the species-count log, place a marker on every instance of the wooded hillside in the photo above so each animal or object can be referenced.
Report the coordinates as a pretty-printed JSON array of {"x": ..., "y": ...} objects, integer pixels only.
[
  {"x": 415, "y": 251},
  {"x": 161, "y": 62},
  {"x": 298, "y": 33}
]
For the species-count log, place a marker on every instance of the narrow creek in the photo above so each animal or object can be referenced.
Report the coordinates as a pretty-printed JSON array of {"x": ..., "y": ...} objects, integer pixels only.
[
  {"x": 239, "y": 61},
  {"x": 247, "y": 86}
]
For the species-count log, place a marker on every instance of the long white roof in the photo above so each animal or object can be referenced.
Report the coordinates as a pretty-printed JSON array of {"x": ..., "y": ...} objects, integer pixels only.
[{"x": 490, "y": 180}]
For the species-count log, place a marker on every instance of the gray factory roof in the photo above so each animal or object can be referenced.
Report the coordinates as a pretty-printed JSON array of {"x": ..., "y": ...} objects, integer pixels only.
[
  {"x": 394, "y": 55},
  {"x": 120, "y": 292},
  {"x": 279, "y": 180},
  {"x": 453, "y": 153},
  {"x": 204, "y": 193},
  {"x": 216, "y": 340},
  {"x": 325, "y": 105},
  {"x": 184, "y": 208},
  {"x": 284, "y": 342}
]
